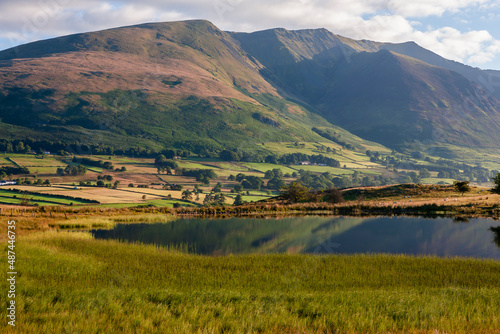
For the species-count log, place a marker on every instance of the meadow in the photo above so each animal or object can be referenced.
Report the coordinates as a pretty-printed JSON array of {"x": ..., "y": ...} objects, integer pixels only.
[{"x": 70, "y": 283}]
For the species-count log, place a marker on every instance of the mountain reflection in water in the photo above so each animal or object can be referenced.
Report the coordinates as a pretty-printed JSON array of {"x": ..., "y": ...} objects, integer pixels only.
[{"x": 443, "y": 237}]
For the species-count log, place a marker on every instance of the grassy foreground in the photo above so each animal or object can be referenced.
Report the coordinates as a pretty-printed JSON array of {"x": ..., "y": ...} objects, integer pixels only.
[{"x": 71, "y": 283}]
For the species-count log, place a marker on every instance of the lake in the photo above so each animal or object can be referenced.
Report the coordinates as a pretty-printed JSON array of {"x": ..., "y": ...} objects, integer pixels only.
[{"x": 443, "y": 237}]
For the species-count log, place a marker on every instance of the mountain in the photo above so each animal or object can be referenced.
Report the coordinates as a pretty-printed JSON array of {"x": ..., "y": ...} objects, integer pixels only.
[
  {"x": 190, "y": 85},
  {"x": 394, "y": 94},
  {"x": 181, "y": 84}
]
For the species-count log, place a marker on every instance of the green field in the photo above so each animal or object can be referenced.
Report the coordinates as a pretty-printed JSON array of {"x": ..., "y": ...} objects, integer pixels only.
[
  {"x": 43, "y": 170},
  {"x": 436, "y": 181},
  {"x": 195, "y": 165},
  {"x": 264, "y": 167},
  {"x": 325, "y": 169},
  {"x": 73, "y": 283},
  {"x": 10, "y": 197},
  {"x": 5, "y": 161},
  {"x": 31, "y": 160}
]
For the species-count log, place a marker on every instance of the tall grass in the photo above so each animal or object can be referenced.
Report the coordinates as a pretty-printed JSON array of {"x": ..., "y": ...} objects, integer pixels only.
[
  {"x": 70, "y": 282},
  {"x": 110, "y": 222}
]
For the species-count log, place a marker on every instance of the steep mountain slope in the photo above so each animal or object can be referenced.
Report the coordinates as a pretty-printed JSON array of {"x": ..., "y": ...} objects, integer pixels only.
[
  {"x": 394, "y": 94},
  {"x": 488, "y": 80},
  {"x": 398, "y": 99}
]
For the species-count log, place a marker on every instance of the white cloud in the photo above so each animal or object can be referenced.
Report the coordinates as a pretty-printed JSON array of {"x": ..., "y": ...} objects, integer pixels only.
[
  {"x": 452, "y": 44},
  {"x": 422, "y": 8},
  {"x": 380, "y": 20}
]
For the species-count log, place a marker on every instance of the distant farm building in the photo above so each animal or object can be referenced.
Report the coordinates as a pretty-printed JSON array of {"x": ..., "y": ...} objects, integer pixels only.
[{"x": 7, "y": 183}]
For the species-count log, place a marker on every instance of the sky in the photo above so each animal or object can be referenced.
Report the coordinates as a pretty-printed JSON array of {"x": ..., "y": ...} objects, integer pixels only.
[{"x": 467, "y": 31}]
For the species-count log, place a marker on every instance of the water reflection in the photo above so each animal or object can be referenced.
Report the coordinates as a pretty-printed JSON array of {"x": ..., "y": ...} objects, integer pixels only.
[
  {"x": 496, "y": 235},
  {"x": 401, "y": 235}
]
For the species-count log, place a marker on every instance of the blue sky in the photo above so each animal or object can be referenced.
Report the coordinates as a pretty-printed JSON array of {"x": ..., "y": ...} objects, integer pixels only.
[{"x": 463, "y": 30}]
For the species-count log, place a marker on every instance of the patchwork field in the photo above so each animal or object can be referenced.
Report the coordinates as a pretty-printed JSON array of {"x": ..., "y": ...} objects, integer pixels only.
[{"x": 128, "y": 173}]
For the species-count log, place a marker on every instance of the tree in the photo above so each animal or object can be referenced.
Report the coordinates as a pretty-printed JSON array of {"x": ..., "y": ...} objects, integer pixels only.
[
  {"x": 414, "y": 177},
  {"x": 366, "y": 182},
  {"x": 227, "y": 155},
  {"x": 424, "y": 173},
  {"x": 187, "y": 195},
  {"x": 208, "y": 199},
  {"x": 252, "y": 182},
  {"x": 276, "y": 183},
  {"x": 443, "y": 175},
  {"x": 177, "y": 187},
  {"x": 295, "y": 192},
  {"x": 333, "y": 196},
  {"x": 271, "y": 159},
  {"x": 160, "y": 159},
  {"x": 20, "y": 147},
  {"x": 161, "y": 162},
  {"x": 220, "y": 199},
  {"x": 269, "y": 174},
  {"x": 496, "y": 182},
  {"x": 462, "y": 186},
  {"x": 238, "y": 200},
  {"x": 217, "y": 188}
]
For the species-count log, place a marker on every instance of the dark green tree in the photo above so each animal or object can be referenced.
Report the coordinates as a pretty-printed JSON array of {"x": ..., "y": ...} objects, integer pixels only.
[
  {"x": 461, "y": 186},
  {"x": 496, "y": 184},
  {"x": 238, "y": 200},
  {"x": 187, "y": 195},
  {"x": 295, "y": 193}
]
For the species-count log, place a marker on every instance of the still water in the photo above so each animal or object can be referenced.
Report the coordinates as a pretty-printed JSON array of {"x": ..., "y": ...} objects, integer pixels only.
[{"x": 443, "y": 237}]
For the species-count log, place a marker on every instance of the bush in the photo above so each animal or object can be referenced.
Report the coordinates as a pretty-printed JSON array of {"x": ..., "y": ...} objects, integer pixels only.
[{"x": 333, "y": 196}]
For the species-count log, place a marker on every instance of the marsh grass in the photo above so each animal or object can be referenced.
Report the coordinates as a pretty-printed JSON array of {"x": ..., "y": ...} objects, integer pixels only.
[
  {"x": 70, "y": 282},
  {"x": 110, "y": 222}
]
